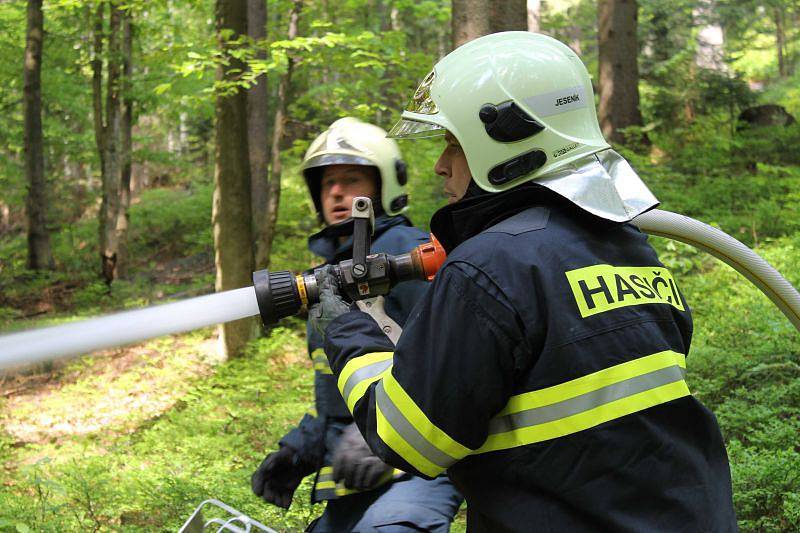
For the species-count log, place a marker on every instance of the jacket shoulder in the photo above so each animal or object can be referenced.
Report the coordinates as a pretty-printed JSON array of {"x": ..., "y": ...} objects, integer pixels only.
[
  {"x": 504, "y": 237},
  {"x": 400, "y": 239}
]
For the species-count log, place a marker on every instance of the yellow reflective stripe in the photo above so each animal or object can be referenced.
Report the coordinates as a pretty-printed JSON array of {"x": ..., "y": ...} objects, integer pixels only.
[
  {"x": 594, "y": 381},
  {"x": 426, "y": 429},
  {"x": 357, "y": 363},
  {"x": 601, "y": 288},
  {"x": 398, "y": 444},
  {"x": 588, "y": 401},
  {"x": 326, "y": 481},
  {"x": 323, "y": 367},
  {"x": 587, "y": 419},
  {"x": 320, "y": 361}
]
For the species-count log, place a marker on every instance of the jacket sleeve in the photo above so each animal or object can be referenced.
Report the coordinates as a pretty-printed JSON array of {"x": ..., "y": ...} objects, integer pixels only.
[
  {"x": 428, "y": 403},
  {"x": 307, "y": 440}
]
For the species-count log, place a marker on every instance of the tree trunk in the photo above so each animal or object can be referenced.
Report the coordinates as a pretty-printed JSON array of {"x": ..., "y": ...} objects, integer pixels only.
[
  {"x": 40, "y": 255},
  {"x": 97, "y": 82},
  {"x": 509, "y": 15},
  {"x": 534, "y": 15},
  {"x": 257, "y": 101},
  {"x": 475, "y": 18},
  {"x": 126, "y": 145},
  {"x": 231, "y": 216},
  {"x": 111, "y": 171},
  {"x": 619, "y": 71},
  {"x": 780, "y": 41},
  {"x": 394, "y": 19},
  {"x": 278, "y": 131},
  {"x": 470, "y": 19}
]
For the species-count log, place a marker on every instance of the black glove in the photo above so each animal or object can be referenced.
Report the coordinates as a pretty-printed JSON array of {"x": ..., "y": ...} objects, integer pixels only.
[
  {"x": 355, "y": 464},
  {"x": 331, "y": 304},
  {"x": 277, "y": 477}
]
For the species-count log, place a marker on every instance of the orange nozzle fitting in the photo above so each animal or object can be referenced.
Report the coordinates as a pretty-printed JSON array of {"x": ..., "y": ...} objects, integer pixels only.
[{"x": 429, "y": 257}]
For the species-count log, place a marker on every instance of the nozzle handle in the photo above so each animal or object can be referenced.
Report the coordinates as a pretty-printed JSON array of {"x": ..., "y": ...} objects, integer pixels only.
[{"x": 363, "y": 227}]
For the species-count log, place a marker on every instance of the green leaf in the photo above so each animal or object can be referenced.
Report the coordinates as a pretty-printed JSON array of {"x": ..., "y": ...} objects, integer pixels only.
[{"x": 162, "y": 88}]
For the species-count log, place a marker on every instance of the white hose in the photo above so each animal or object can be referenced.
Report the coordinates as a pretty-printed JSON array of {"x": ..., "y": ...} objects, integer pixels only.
[
  {"x": 119, "y": 329},
  {"x": 726, "y": 248}
]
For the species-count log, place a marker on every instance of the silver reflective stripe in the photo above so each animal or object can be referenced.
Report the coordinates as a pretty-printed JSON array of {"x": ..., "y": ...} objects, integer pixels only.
[
  {"x": 408, "y": 432},
  {"x": 586, "y": 402},
  {"x": 325, "y": 494},
  {"x": 369, "y": 371},
  {"x": 325, "y": 477}
]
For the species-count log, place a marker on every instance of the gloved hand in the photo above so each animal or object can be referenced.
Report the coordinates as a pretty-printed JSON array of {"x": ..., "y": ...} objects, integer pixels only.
[
  {"x": 355, "y": 464},
  {"x": 277, "y": 477},
  {"x": 331, "y": 304}
]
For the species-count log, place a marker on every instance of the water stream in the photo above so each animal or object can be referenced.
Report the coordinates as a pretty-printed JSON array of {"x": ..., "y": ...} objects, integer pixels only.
[{"x": 128, "y": 327}]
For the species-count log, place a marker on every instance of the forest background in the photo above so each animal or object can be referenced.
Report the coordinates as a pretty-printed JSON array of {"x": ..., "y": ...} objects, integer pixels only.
[{"x": 150, "y": 151}]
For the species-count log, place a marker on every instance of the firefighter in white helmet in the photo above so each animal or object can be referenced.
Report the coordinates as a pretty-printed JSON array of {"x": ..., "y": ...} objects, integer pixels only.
[
  {"x": 349, "y": 159},
  {"x": 544, "y": 370}
]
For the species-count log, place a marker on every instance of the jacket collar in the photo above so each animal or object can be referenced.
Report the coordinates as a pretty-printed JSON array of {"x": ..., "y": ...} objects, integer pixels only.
[
  {"x": 455, "y": 223},
  {"x": 326, "y": 242}
]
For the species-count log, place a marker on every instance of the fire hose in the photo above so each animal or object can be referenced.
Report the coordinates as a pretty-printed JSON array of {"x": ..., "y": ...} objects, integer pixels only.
[{"x": 278, "y": 294}]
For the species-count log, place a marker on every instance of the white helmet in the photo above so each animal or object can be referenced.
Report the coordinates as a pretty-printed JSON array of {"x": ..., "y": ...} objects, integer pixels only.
[
  {"x": 519, "y": 103},
  {"x": 522, "y": 107},
  {"x": 348, "y": 141}
]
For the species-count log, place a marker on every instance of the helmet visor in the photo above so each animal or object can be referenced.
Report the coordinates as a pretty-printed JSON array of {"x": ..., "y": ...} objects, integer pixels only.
[
  {"x": 324, "y": 160},
  {"x": 414, "y": 129}
]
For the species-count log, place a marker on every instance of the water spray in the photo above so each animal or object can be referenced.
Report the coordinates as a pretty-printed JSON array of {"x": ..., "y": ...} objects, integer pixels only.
[{"x": 273, "y": 296}]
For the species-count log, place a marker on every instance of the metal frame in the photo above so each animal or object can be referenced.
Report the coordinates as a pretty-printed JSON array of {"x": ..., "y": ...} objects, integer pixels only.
[{"x": 196, "y": 524}]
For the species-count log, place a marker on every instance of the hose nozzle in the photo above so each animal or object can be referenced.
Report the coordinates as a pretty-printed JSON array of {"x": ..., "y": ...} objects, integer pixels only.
[{"x": 281, "y": 293}]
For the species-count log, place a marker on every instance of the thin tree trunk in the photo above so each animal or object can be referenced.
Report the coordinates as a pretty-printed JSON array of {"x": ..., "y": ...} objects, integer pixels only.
[
  {"x": 231, "y": 217},
  {"x": 619, "y": 71},
  {"x": 97, "y": 82},
  {"x": 126, "y": 145},
  {"x": 780, "y": 41},
  {"x": 40, "y": 255},
  {"x": 394, "y": 19},
  {"x": 257, "y": 101},
  {"x": 278, "y": 132},
  {"x": 112, "y": 164},
  {"x": 534, "y": 15}
]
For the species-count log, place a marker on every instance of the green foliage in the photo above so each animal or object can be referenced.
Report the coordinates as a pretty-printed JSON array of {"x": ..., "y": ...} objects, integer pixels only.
[
  {"x": 205, "y": 447},
  {"x": 745, "y": 366},
  {"x": 739, "y": 181},
  {"x": 787, "y": 92}
]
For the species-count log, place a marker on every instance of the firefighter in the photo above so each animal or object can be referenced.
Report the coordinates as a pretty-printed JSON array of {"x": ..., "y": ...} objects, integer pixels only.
[
  {"x": 352, "y": 159},
  {"x": 544, "y": 369}
]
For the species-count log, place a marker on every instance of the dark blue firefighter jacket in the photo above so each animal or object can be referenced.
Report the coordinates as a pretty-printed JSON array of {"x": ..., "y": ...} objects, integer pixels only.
[{"x": 544, "y": 370}]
